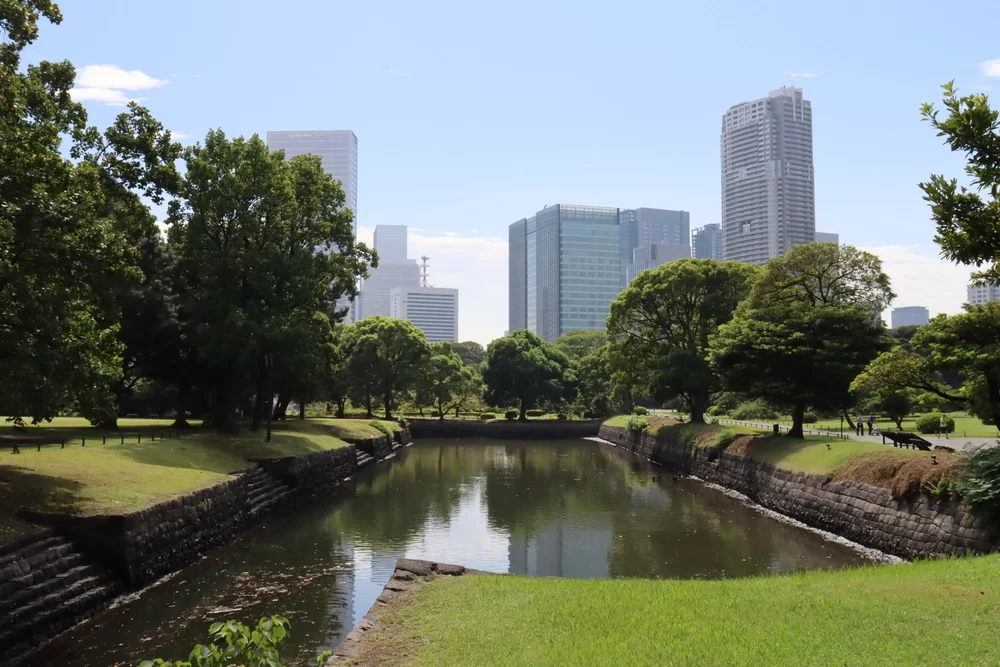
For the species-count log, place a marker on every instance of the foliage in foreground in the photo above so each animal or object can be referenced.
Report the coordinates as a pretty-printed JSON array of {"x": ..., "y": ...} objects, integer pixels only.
[
  {"x": 979, "y": 484},
  {"x": 235, "y": 644}
]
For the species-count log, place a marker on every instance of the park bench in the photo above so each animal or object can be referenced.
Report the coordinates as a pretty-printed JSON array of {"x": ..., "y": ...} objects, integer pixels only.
[{"x": 906, "y": 440}]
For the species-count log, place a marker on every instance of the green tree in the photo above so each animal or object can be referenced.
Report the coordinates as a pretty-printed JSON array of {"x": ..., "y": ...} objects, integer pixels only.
[
  {"x": 336, "y": 386},
  {"x": 264, "y": 244},
  {"x": 968, "y": 218},
  {"x": 662, "y": 323},
  {"x": 968, "y": 344},
  {"x": 387, "y": 357},
  {"x": 896, "y": 406},
  {"x": 471, "y": 352},
  {"x": 526, "y": 371},
  {"x": 67, "y": 227},
  {"x": 581, "y": 342},
  {"x": 806, "y": 330},
  {"x": 440, "y": 379},
  {"x": 593, "y": 372}
]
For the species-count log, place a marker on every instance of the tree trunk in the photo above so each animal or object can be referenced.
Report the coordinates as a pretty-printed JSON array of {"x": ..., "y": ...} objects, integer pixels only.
[
  {"x": 456, "y": 412},
  {"x": 302, "y": 409},
  {"x": 798, "y": 412},
  {"x": 180, "y": 417},
  {"x": 225, "y": 407},
  {"x": 258, "y": 403},
  {"x": 899, "y": 422},
  {"x": 696, "y": 404},
  {"x": 850, "y": 422},
  {"x": 341, "y": 408},
  {"x": 388, "y": 405},
  {"x": 524, "y": 413},
  {"x": 280, "y": 408}
]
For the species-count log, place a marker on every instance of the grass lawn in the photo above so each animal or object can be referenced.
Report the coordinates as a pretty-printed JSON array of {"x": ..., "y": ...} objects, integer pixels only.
[
  {"x": 943, "y": 612},
  {"x": 811, "y": 454},
  {"x": 115, "y": 477},
  {"x": 965, "y": 425}
]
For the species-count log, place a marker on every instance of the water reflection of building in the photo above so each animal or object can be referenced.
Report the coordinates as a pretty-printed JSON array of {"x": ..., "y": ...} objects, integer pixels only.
[{"x": 576, "y": 551}]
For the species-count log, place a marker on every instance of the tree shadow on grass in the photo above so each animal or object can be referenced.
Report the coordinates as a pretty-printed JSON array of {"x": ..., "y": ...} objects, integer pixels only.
[{"x": 20, "y": 487}]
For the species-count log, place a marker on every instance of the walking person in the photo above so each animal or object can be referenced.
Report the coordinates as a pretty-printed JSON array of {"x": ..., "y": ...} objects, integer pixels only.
[
  {"x": 943, "y": 427},
  {"x": 860, "y": 425},
  {"x": 871, "y": 423}
]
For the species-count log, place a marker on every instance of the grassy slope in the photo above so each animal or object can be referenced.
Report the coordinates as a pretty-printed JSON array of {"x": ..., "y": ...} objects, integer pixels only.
[
  {"x": 965, "y": 425},
  {"x": 937, "y": 612},
  {"x": 115, "y": 478},
  {"x": 812, "y": 454}
]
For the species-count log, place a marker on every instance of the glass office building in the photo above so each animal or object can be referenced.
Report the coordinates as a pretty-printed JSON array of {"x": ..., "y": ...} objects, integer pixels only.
[{"x": 565, "y": 269}]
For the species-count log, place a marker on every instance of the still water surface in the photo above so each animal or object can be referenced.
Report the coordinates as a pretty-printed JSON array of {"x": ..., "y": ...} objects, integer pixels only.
[{"x": 563, "y": 509}]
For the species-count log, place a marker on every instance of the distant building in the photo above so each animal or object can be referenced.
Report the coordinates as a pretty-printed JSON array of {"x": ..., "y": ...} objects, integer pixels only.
[
  {"x": 706, "y": 241},
  {"x": 909, "y": 315},
  {"x": 827, "y": 237},
  {"x": 433, "y": 310},
  {"x": 338, "y": 153},
  {"x": 564, "y": 269},
  {"x": 644, "y": 226},
  {"x": 768, "y": 191},
  {"x": 390, "y": 243},
  {"x": 978, "y": 295},
  {"x": 652, "y": 255}
]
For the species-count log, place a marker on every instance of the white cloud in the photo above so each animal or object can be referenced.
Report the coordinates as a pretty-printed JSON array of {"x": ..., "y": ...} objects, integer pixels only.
[
  {"x": 921, "y": 278},
  {"x": 105, "y": 83},
  {"x": 802, "y": 75},
  {"x": 990, "y": 67},
  {"x": 115, "y": 78},
  {"x": 394, "y": 72},
  {"x": 113, "y": 98},
  {"x": 174, "y": 134}
]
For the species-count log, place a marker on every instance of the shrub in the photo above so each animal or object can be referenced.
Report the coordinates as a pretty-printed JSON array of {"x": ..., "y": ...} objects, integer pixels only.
[
  {"x": 931, "y": 423},
  {"x": 510, "y": 415},
  {"x": 379, "y": 426},
  {"x": 402, "y": 422},
  {"x": 561, "y": 417},
  {"x": 809, "y": 418},
  {"x": 752, "y": 410},
  {"x": 716, "y": 411},
  {"x": 590, "y": 415},
  {"x": 534, "y": 413},
  {"x": 979, "y": 484},
  {"x": 637, "y": 424},
  {"x": 639, "y": 410},
  {"x": 235, "y": 644},
  {"x": 486, "y": 416}
]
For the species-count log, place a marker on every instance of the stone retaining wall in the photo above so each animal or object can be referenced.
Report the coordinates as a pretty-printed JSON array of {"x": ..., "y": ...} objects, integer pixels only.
[
  {"x": 868, "y": 515},
  {"x": 314, "y": 474},
  {"x": 504, "y": 430},
  {"x": 143, "y": 546}
]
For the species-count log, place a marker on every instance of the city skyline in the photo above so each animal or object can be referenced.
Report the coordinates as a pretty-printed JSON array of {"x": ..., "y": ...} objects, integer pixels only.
[{"x": 456, "y": 114}]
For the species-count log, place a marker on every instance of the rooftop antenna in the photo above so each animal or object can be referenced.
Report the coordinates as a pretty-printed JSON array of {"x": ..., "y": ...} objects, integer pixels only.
[{"x": 424, "y": 266}]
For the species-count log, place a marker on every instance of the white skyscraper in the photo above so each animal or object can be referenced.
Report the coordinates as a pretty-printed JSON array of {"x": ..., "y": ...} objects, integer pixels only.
[
  {"x": 979, "y": 295},
  {"x": 338, "y": 151},
  {"x": 433, "y": 310},
  {"x": 768, "y": 190},
  {"x": 393, "y": 270},
  {"x": 390, "y": 243}
]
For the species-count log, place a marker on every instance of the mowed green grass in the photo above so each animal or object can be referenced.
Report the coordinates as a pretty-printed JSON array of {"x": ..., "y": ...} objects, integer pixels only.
[
  {"x": 965, "y": 425},
  {"x": 816, "y": 453},
  {"x": 929, "y": 613},
  {"x": 117, "y": 478}
]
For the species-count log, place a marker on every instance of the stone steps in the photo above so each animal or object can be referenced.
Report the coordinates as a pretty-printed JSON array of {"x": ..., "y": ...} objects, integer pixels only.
[
  {"x": 264, "y": 491},
  {"x": 46, "y": 586},
  {"x": 364, "y": 458}
]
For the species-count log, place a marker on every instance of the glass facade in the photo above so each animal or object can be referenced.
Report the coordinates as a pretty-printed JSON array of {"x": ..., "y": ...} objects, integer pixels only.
[
  {"x": 589, "y": 266},
  {"x": 531, "y": 288}
]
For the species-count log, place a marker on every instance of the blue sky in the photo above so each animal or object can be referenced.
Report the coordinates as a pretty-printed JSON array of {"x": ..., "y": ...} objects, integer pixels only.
[{"x": 472, "y": 115}]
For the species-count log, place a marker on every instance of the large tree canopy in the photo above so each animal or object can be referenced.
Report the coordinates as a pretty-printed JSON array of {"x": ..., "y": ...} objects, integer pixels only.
[
  {"x": 581, "y": 342},
  {"x": 662, "y": 323},
  {"x": 68, "y": 228},
  {"x": 968, "y": 220},
  {"x": 264, "y": 244},
  {"x": 526, "y": 371},
  {"x": 807, "y": 329},
  {"x": 968, "y": 344},
  {"x": 387, "y": 356},
  {"x": 470, "y": 352}
]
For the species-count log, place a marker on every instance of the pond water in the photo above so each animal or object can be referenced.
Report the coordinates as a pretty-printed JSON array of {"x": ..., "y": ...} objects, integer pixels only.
[{"x": 562, "y": 509}]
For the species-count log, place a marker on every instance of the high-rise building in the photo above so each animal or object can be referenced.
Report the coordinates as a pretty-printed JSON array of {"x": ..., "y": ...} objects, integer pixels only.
[
  {"x": 978, "y": 295},
  {"x": 374, "y": 297},
  {"x": 652, "y": 255},
  {"x": 565, "y": 269},
  {"x": 338, "y": 152},
  {"x": 706, "y": 241},
  {"x": 644, "y": 226},
  {"x": 827, "y": 237},
  {"x": 768, "y": 193},
  {"x": 433, "y": 310},
  {"x": 390, "y": 243},
  {"x": 909, "y": 316}
]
